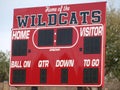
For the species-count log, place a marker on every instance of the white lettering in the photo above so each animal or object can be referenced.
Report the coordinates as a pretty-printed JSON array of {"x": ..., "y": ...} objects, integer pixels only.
[
  {"x": 86, "y": 62},
  {"x": 64, "y": 63},
  {"x": 16, "y": 64},
  {"x": 20, "y": 34},
  {"x": 43, "y": 63},
  {"x": 91, "y": 31},
  {"x": 27, "y": 64},
  {"x": 95, "y": 62},
  {"x": 91, "y": 62},
  {"x": 54, "y": 49},
  {"x": 49, "y": 9}
]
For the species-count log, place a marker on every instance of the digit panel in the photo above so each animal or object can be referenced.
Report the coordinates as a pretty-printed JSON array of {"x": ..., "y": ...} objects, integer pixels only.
[
  {"x": 64, "y": 36},
  {"x": 19, "y": 76},
  {"x": 43, "y": 75},
  {"x": 92, "y": 45},
  {"x": 90, "y": 75},
  {"x": 64, "y": 75},
  {"x": 19, "y": 47},
  {"x": 45, "y": 37}
]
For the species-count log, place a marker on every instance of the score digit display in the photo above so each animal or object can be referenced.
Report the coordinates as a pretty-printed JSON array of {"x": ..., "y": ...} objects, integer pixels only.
[{"x": 60, "y": 45}]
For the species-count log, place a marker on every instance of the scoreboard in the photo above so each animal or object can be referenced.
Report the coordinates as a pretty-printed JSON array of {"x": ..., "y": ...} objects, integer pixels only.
[{"x": 60, "y": 45}]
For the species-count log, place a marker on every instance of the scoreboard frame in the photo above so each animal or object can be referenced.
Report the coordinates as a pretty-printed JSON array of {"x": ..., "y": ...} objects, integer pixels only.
[{"x": 70, "y": 33}]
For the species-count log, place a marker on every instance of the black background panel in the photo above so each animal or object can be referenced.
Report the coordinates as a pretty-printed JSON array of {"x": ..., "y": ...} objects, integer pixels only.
[
  {"x": 64, "y": 36},
  {"x": 43, "y": 75},
  {"x": 45, "y": 37},
  {"x": 19, "y": 76},
  {"x": 19, "y": 47},
  {"x": 64, "y": 75},
  {"x": 92, "y": 45},
  {"x": 90, "y": 75}
]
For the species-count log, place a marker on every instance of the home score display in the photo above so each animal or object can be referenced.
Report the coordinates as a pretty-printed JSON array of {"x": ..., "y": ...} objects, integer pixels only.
[{"x": 60, "y": 45}]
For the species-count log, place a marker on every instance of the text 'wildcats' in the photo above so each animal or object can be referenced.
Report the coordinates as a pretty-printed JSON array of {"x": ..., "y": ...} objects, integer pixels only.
[{"x": 62, "y": 18}]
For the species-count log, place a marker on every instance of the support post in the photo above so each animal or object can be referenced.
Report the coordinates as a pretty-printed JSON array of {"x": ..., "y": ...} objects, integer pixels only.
[
  {"x": 34, "y": 88},
  {"x": 79, "y": 88},
  {"x": 99, "y": 88}
]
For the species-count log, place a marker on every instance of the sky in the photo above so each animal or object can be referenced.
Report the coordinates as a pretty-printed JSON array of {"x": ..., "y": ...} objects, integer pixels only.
[{"x": 6, "y": 16}]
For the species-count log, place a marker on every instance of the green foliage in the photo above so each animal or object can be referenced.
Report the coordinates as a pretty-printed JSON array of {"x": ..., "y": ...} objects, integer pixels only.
[
  {"x": 4, "y": 66},
  {"x": 113, "y": 44}
]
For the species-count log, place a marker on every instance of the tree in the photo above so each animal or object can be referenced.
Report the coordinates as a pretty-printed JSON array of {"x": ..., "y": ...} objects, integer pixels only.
[
  {"x": 4, "y": 66},
  {"x": 113, "y": 44}
]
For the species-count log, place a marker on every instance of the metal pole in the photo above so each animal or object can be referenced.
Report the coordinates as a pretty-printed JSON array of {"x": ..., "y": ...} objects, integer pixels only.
[
  {"x": 79, "y": 88},
  {"x": 34, "y": 88},
  {"x": 99, "y": 88}
]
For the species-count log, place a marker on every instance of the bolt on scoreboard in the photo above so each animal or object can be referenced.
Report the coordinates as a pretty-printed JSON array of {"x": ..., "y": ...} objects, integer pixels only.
[{"x": 60, "y": 45}]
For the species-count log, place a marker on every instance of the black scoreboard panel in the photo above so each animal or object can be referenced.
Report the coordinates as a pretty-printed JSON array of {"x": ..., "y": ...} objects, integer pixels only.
[
  {"x": 19, "y": 76},
  {"x": 43, "y": 75},
  {"x": 90, "y": 75},
  {"x": 19, "y": 47},
  {"x": 92, "y": 45},
  {"x": 64, "y": 75},
  {"x": 64, "y": 36},
  {"x": 45, "y": 37}
]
